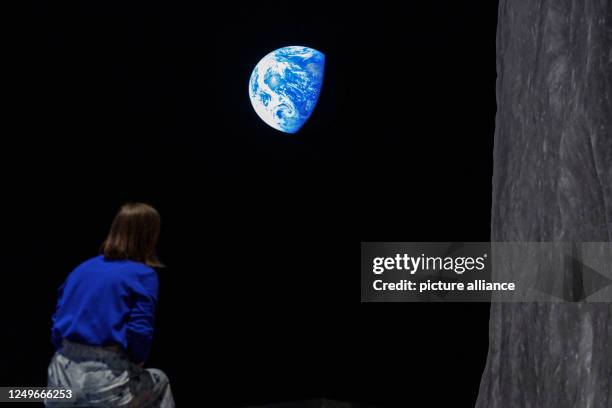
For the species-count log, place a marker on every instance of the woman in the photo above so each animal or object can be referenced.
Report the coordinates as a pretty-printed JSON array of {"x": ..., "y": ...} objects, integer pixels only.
[{"x": 103, "y": 323}]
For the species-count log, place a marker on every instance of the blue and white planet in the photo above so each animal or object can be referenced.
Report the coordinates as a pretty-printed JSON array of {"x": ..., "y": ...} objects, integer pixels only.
[{"x": 285, "y": 86}]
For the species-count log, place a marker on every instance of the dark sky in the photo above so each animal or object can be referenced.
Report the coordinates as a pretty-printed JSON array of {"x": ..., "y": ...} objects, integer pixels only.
[{"x": 261, "y": 230}]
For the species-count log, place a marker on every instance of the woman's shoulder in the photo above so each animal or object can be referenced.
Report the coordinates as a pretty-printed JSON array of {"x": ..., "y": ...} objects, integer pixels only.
[
  {"x": 100, "y": 272},
  {"x": 128, "y": 265},
  {"x": 89, "y": 263},
  {"x": 124, "y": 265}
]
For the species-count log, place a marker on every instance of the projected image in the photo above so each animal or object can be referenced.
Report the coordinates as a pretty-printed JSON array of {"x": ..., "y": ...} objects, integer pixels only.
[{"x": 285, "y": 86}]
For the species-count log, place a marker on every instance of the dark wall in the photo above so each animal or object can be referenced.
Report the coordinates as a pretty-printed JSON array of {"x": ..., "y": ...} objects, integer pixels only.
[{"x": 261, "y": 230}]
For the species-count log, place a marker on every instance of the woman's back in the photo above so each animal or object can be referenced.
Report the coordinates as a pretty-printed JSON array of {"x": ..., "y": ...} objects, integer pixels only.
[{"x": 108, "y": 302}]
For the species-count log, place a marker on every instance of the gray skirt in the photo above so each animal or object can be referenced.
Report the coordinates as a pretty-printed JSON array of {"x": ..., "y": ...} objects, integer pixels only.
[{"x": 102, "y": 377}]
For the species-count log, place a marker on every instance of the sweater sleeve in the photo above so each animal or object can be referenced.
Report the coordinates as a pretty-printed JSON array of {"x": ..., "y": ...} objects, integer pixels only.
[
  {"x": 141, "y": 322},
  {"x": 56, "y": 336}
]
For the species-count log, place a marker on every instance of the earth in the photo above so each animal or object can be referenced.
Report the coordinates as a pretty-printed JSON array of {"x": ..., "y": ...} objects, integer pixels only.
[{"x": 285, "y": 86}]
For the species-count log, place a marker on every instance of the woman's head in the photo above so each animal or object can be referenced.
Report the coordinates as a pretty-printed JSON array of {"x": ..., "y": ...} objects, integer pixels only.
[{"x": 133, "y": 235}]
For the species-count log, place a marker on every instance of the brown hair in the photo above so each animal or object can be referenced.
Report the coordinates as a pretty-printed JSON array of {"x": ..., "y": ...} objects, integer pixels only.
[{"x": 133, "y": 235}]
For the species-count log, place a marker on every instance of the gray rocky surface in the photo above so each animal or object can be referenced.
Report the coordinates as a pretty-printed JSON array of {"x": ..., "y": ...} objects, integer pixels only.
[{"x": 552, "y": 181}]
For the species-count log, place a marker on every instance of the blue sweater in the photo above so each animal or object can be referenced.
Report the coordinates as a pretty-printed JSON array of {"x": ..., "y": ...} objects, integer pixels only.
[{"x": 106, "y": 302}]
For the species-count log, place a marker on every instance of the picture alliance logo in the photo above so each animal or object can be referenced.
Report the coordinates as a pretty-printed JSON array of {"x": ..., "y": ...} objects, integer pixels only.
[{"x": 412, "y": 264}]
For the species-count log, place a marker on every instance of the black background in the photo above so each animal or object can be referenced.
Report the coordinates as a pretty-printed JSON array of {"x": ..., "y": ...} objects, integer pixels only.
[{"x": 260, "y": 298}]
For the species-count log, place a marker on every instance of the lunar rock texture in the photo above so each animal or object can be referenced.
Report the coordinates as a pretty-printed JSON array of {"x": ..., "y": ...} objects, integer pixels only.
[{"x": 552, "y": 181}]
